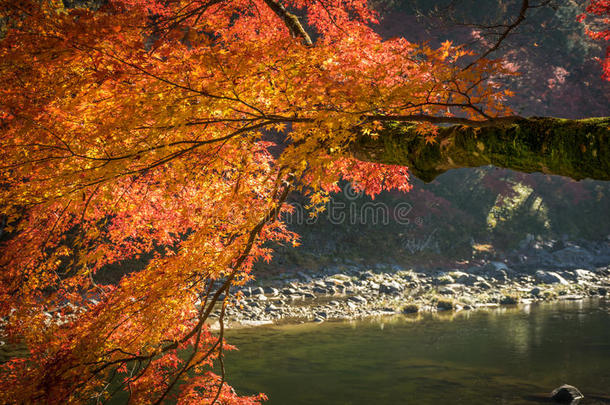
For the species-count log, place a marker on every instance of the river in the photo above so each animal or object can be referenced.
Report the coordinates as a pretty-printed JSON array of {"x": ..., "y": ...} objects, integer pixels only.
[{"x": 509, "y": 355}]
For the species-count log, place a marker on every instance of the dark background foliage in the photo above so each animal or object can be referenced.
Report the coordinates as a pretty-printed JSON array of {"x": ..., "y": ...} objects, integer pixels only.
[{"x": 484, "y": 212}]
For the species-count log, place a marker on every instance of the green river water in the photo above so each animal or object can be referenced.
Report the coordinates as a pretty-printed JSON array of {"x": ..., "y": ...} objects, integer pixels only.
[
  {"x": 501, "y": 356},
  {"x": 508, "y": 355}
]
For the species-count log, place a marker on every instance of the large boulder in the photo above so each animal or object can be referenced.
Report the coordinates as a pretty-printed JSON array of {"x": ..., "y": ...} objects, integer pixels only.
[
  {"x": 365, "y": 275},
  {"x": 492, "y": 271},
  {"x": 390, "y": 288},
  {"x": 540, "y": 258},
  {"x": 463, "y": 278},
  {"x": 445, "y": 305},
  {"x": 466, "y": 278},
  {"x": 484, "y": 285},
  {"x": 320, "y": 290},
  {"x": 446, "y": 290},
  {"x": 338, "y": 278},
  {"x": 582, "y": 274},
  {"x": 271, "y": 291},
  {"x": 497, "y": 275},
  {"x": 573, "y": 256},
  {"x": 358, "y": 299},
  {"x": 498, "y": 271},
  {"x": 549, "y": 277},
  {"x": 567, "y": 394},
  {"x": 443, "y": 279},
  {"x": 409, "y": 276},
  {"x": 500, "y": 266}
]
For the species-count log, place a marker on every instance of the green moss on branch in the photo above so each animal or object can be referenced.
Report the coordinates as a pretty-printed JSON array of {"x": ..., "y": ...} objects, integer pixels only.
[{"x": 574, "y": 148}]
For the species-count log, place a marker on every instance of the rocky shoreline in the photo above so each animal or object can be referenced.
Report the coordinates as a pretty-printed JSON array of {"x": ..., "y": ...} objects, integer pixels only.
[{"x": 537, "y": 272}]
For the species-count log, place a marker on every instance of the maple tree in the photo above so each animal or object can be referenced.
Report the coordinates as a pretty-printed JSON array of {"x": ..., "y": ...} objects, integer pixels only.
[{"x": 134, "y": 126}]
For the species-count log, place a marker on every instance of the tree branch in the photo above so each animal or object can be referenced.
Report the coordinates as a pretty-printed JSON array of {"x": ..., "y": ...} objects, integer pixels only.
[
  {"x": 445, "y": 120},
  {"x": 291, "y": 21},
  {"x": 525, "y": 5},
  {"x": 574, "y": 148}
]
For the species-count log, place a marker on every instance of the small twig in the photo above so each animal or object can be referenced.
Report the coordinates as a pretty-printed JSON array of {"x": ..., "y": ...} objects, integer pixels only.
[{"x": 524, "y": 6}]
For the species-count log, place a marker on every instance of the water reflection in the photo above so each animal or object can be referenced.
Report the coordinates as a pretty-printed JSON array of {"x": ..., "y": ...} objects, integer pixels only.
[{"x": 488, "y": 356}]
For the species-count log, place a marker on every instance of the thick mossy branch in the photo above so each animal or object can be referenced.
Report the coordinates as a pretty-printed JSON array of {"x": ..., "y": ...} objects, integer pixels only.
[{"x": 574, "y": 148}]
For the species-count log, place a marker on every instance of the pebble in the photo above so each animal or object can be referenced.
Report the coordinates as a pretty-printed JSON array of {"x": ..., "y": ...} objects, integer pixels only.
[{"x": 359, "y": 299}]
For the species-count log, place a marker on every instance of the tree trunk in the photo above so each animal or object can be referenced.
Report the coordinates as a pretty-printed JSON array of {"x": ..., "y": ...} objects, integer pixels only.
[{"x": 574, "y": 148}]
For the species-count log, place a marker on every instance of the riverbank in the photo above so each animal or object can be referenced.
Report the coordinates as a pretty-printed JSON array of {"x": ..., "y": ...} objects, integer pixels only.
[
  {"x": 351, "y": 292},
  {"x": 538, "y": 272}
]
